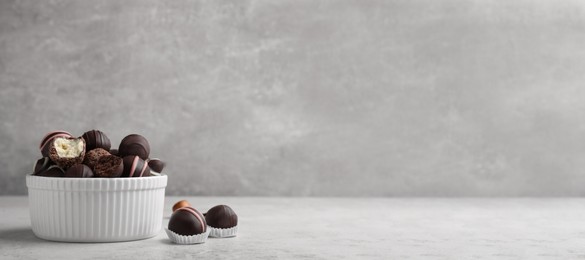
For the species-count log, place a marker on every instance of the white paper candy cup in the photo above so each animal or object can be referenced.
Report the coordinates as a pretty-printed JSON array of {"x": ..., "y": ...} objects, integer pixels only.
[
  {"x": 187, "y": 240},
  {"x": 223, "y": 232}
]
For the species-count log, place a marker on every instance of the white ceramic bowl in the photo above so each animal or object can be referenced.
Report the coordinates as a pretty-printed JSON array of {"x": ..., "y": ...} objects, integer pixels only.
[{"x": 96, "y": 209}]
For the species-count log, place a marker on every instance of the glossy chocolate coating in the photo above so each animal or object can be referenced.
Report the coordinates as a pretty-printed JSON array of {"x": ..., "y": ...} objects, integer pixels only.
[
  {"x": 134, "y": 166},
  {"x": 134, "y": 145},
  {"x": 96, "y": 139},
  {"x": 45, "y": 146},
  {"x": 79, "y": 171},
  {"x": 42, "y": 165},
  {"x": 156, "y": 165},
  {"x": 91, "y": 158},
  {"x": 221, "y": 216},
  {"x": 109, "y": 166},
  {"x": 65, "y": 162},
  {"x": 187, "y": 221},
  {"x": 52, "y": 171}
]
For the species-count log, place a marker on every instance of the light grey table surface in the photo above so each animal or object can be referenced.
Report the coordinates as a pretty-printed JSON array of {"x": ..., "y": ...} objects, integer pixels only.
[{"x": 341, "y": 228}]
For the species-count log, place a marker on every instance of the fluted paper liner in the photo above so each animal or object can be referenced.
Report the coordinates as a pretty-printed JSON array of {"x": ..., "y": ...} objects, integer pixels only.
[
  {"x": 96, "y": 209},
  {"x": 187, "y": 240},
  {"x": 222, "y": 232}
]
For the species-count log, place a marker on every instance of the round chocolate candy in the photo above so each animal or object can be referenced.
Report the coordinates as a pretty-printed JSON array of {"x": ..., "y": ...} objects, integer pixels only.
[
  {"x": 109, "y": 166},
  {"x": 92, "y": 157},
  {"x": 221, "y": 216},
  {"x": 52, "y": 171},
  {"x": 156, "y": 164},
  {"x": 44, "y": 146},
  {"x": 187, "y": 221},
  {"x": 79, "y": 171},
  {"x": 181, "y": 204},
  {"x": 96, "y": 139},
  {"x": 67, "y": 151},
  {"x": 134, "y": 145},
  {"x": 135, "y": 167},
  {"x": 42, "y": 165}
]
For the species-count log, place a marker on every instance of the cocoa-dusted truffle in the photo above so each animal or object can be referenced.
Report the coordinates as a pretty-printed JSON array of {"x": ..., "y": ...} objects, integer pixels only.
[
  {"x": 187, "y": 221},
  {"x": 96, "y": 139},
  {"x": 92, "y": 157},
  {"x": 44, "y": 146},
  {"x": 135, "y": 167},
  {"x": 221, "y": 216},
  {"x": 134, "y": 145},
  {"x": 181, "y": 204},
  {"x": 109, "y": 166},
  {"x": 67, "y": 151},
  {"x": 52, "y": 171},
  {"x": 42, "y": 165},
  {"x": 79, "y": 171},
  {"x": 156, "y": 164}
]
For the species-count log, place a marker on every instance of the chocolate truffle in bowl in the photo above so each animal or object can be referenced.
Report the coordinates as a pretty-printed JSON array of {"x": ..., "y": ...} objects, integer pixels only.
[
  {"x": 92, "y": 157},
  {"x": 96, "y": 139},
  {"x": 109, "y": 166},
  {"x": 134, "y": 144},
  {"x": 52, "y": 171},
  {"x": 134, "y": 166},
  {"x": 156, "y": 164},
  {"x": 67, "y": 151},
  {"x": 45, "y": 147},
  {"x": 79, "y": 171},
  {"x": 42, "y": 165}
]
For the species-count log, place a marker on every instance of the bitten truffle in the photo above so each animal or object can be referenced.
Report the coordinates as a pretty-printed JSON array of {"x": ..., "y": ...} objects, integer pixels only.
[
  {"x": 67, "y": 151},
  {"x": 79, "y": 171},
  {"x": 221, "y": 216},
  {"x": 96, "y": 139},
  {"x": 92, "y": 157},
  {"x": 45, "y": 146},
  {"x": 135, "y": 167},
  {"x": 134, "y": 145},
  {"x": 187, "y": 221},
  {"x": 109, "y": 166},
  {"x": 156, "y": 164}
]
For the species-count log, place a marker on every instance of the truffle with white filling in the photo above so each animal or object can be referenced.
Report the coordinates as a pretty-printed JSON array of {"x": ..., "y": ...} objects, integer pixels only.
[{"x": 67, "y": 151}]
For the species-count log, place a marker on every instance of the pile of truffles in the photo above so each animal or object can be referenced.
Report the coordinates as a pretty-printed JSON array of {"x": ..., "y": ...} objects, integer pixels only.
[
  {"x": 90, "y": 156},
  {"x": 188, "y": 226}
]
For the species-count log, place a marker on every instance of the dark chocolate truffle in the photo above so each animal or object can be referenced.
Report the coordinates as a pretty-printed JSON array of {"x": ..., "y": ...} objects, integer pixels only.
[
  {"x": 134, "y": 145},
  {"x": 156, "y": 164},
  {"x": 42, "y": 165},
  {"x": 79, "y": 171},
  {"x": 135, "y": 167},
  {"x": 109, "y": 166},
  {"x": 52, "y": 171},
  {"x": 67, "y": 151},
  {"x": 96, "y": 139},
  {"x": 92, "y": 157},
  {"x": 221, "y": 216},
  {"x": 187, "y": 221},
  {"x": 45, "y": 143}
]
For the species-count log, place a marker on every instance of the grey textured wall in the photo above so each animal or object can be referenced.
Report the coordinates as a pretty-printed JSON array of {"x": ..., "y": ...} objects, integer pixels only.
[{"x": 367, "y": 98}]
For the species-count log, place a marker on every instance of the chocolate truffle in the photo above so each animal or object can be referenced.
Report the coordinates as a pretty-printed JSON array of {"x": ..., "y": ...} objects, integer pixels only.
[
  {"x": 96, "y": 139},
  {"x": 45, "y": 142},
  {"x": 114, "y": 151},
  {"x": 181, "y": 204},
  {"x": 135, "y": 167},
  {"x": 42, "y": 165},
  {"x": 92, "y": 157},
  {"x": 156, "y": 164},
  {"x": 187, "y": 221},
  {"x": 52, "y": 171},
  {"x": 134, "y": 145},
  {"x": 67, "y": 151},
  {"x": 79, "y": 171},
  {"x": 221, "y": 216},
  {"x": 109, "y": 166}
]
